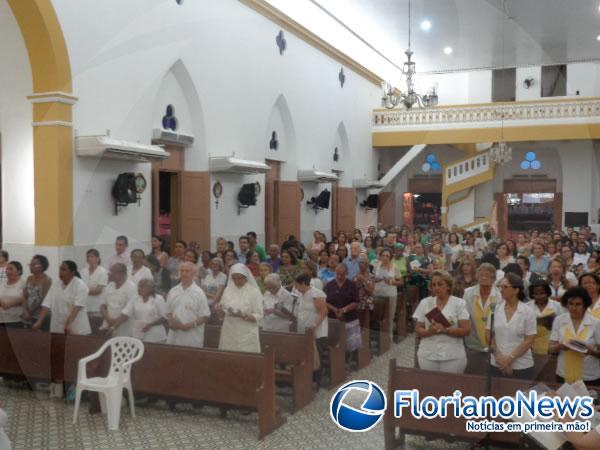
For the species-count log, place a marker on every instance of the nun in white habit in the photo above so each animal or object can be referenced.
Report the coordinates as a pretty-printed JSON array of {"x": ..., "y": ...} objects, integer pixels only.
[{"x": 242, "y": 304}]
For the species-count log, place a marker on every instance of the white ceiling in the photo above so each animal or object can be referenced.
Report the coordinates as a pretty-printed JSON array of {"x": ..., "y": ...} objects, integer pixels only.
[{"x": 538, "y": 32}]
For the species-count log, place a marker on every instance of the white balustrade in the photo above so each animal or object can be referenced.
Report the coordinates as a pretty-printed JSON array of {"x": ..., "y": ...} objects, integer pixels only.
[
  {"x": 509, "y": 112},
  {"x": 467, "y": 168}
]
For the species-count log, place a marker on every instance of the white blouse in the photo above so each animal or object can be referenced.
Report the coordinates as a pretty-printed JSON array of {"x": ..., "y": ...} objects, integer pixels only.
[
  {"x": 442, "y": 347},
  {"x": 187, "y": 305},
  {"x": 97, "y": 278},
  {"x": 510, "y": 334},
  {"x": 116, "y": 299},
  {"x": 307, "y": 313},
  {"x": 143, "y": 273},
  {"x": 142, "y": 313},
  {"x": 283, "y": 299},
  {"x": 11, "y": 292},
  {"x": 382, "y": 289},
  {"x": 61, "y": 300},
  {"x": 591, "y": 364},
  {"x": 211, "y": 285}
]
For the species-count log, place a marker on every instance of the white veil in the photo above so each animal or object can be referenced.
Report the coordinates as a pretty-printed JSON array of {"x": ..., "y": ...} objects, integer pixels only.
[
  {"x": 241, "y": 269},
  {"x": 232, "y": 292}
]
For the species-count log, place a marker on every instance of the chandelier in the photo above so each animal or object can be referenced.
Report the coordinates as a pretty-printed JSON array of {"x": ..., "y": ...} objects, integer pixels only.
[
  {"x": 500, "y": 153},
  {"x": 392, "y": 97}
]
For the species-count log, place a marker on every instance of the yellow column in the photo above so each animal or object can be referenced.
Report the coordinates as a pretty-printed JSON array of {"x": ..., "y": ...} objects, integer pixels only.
[{"x": 53, "y": 168}]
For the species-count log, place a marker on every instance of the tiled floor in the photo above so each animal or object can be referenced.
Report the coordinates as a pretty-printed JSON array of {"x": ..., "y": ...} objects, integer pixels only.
[{"x": 37, "y": 422}]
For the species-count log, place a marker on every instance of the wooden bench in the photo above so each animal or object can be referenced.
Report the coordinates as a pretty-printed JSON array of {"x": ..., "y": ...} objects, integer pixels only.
[
  {"x": 337, "y": 352},
  {"x": 380, "y": 318},
  {"x": 364, "y": 353},
  {"x": 225, "y": 379},
  {"x": 450, "y": 428},
  {"x": 294, "y": 350}
]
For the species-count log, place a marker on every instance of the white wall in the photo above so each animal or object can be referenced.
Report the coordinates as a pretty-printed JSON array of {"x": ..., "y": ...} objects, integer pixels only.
[
  {"x": 121, "y": 66},
  {"x": 462, "y": 213},
  {"x": 18, "y": 215},
  {"x": 577, "y": 162},
  {"x": 585, "y": 78},
  {"x": 535, "y": 91},
  {"x": 484, "y": 199}
]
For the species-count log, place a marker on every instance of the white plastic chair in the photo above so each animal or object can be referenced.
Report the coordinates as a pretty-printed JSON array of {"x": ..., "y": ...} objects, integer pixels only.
[{"x": 124, "y": 352}]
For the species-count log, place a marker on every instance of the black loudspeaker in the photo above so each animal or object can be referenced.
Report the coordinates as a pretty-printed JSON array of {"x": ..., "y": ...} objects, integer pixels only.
[
  {"x": 576, "y": 219},
  {"x": 124, "y": 191},
  {"x": 323, "y": 199},
  {"x": 247, "y": 195},
  {"x": 371, "y": 202}
]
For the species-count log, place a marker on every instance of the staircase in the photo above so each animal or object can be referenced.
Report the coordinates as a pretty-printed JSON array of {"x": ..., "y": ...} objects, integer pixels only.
[{"x": 460, "y": 179}]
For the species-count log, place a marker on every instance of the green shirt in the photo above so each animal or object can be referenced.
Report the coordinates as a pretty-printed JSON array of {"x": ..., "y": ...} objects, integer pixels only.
[
  {"x": 402, "y": 265},
  {"x": 262, "y": 255}
]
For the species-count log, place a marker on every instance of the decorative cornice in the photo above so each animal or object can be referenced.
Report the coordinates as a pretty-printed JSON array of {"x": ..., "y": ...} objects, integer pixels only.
[
  {"x": 53, "y": 97},
  {"x": 53, "y": 123},
  {"x": 283, "y": 20}
]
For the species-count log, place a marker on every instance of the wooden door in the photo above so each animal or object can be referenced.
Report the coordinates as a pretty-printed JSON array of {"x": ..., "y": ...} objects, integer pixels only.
[
  {"x": 558, "y": 211},
  {"x": 408, "y": 209},
  {"x": 271, "y": 177},
  {"x": 194, "y": 208},
  {"x": 387, "y": 208},
  {"x": 287, "y": 210},
  {"x": 175, "y": 163},
  {"x": 345, "y": 209}
]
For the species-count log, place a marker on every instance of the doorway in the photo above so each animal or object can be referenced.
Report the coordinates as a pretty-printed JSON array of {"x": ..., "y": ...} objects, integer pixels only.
[
  {"x": 427, "y": 210},
  {"x": 530, "y": 211},
  {"x": 168, "y": 206}
]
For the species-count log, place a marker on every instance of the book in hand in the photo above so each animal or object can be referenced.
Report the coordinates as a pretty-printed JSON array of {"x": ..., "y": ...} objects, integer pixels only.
[
  {"x": 577, "y": 346},
  {"x": 436, "y": 315}
]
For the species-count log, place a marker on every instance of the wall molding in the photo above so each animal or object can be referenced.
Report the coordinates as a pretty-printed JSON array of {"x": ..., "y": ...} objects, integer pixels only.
[
  {"x": 283, "y": 20},
  {"x": 52, "y": 123}
]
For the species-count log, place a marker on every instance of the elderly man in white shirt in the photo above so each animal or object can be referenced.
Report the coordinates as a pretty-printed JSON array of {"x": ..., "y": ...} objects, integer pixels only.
[
  {"x": 122, "y": 255},
  {"x": 119, "y": 292},
  {"x": 187, "y": 310}
]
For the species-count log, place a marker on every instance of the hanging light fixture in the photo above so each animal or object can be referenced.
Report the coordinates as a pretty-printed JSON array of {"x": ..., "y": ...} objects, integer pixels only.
[
  {"x": 501, "y": 152},
  {"x": 392, "y": 97}
]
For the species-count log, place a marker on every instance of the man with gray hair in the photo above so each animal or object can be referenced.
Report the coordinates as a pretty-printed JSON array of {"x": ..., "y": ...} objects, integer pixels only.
[
  {"x": 274, "y": 258},
  {"x": 117, "y": 295},
  {"x": 187, "y": 310},
  {"x": 278, "y": 305},
  {"x": 351, "y": 261}
]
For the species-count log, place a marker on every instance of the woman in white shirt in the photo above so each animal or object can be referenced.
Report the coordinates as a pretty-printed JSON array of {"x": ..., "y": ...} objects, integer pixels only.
[
  {"x": 514, "y": 331},
  {"x": 591, "y": 283},
  {"x": 277, "y": 305},
  {"x": 66, "y": 300},
  {"x": 96, "y": 278},
  {"x": 454, "y": 249},
  {"x": 546, "y": 311},
  {"x": 214, "y": 282},
  {"x": 441, "y": 347},
  {"x": 387, "y": 279},
  {"x": 557, "y": 279},
  {"x": 147, "y": 313},
  {"x": 243, "y": 308},
  {"x": 503, "y": 255},
  {"x": 11, "y": 296},
  {"x": 576, "y": 325},
  {"x": 138, "y": 270}
]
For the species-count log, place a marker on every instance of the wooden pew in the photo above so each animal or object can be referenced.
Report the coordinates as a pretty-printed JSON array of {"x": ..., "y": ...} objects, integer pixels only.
[
  {"x": 295, "y": 350},
  {"x": 364, "y": 353},
  {"x": 380, "y": 317},
  {"x": 225, "y": 379},
  {"x": 544, "y": 365},
  {"x": 450, "y": 428},
  {"x": 337, "y": 352},
  {"x": 401, "y": 317}
]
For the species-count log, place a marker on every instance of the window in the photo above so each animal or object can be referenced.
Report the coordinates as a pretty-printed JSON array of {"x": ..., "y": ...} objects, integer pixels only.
[
  {"x": 504, "y": 85},
  {"x": 554, "y": 81}
]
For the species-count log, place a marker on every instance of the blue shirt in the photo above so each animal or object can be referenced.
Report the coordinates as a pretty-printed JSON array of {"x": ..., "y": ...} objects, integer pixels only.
[
  {"x": 352, "y": 266},
  {"x": 539, "y": 266},
  {"x": 326, "y": 275},
  {"x": 275, "y": 263}
]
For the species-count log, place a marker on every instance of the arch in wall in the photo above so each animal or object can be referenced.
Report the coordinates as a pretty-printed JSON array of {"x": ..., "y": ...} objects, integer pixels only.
[
  {"x": 280, "y": 121},
  {"x": 344, "y": 162},
  {"x": 52, "y": 101}
]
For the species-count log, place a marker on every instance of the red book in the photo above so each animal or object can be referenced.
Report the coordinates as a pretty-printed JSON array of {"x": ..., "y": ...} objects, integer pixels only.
[{"x": 436, "y": 315}]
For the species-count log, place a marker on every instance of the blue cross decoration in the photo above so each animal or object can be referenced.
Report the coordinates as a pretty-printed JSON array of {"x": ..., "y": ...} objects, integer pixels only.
[
  {"x": 274, "y": 142},
  {"x": 342, "y": 77},
  {"x": 281, "y": 42},
  {"x": 169, "y": 121},
  {"x": 431, "y": 164},
  {"x": 531, "y": 162}
]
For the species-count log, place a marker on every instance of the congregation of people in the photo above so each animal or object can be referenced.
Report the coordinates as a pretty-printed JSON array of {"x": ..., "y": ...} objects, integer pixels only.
[{"x": 466, "y": 292}]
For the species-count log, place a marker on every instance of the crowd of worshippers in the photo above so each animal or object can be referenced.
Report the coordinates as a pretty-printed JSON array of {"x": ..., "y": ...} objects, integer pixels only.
[{"x": 543, "y": 290}]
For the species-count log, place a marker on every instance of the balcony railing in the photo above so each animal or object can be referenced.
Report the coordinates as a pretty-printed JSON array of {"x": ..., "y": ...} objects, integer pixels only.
[
  {"x": 516, "y": 113},
  {"x": 467, "y": 168}
]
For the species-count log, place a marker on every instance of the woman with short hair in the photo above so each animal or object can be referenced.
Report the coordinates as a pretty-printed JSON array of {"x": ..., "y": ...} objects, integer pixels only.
[
  {"x": 575, "y": 337},
  {"x": 591, "y": 283},
  {"x": 557, "y": 279},
  {"x": 546, "y": 311},
  {"x": 514, "y": 331},
  {"x": 503, "y": 254},
  {"x": 387, "y": 279},
  {"x": 441, "y": 347},
  {"x": 538, "y": 260},
  {"x": 139, "y": 271},
  {"x": 37, "y": 287},
  {"x": 214, "y": 282},
  {"x": 11, "y": 296}
]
